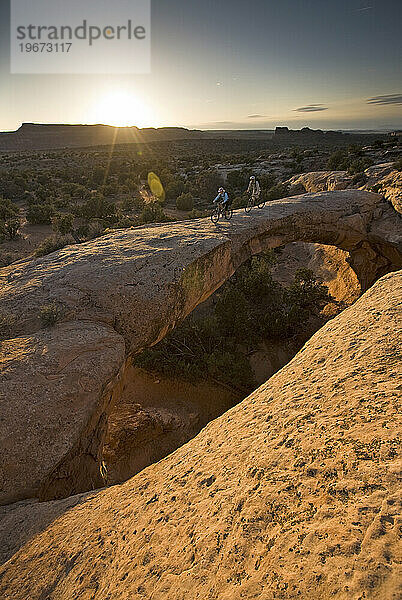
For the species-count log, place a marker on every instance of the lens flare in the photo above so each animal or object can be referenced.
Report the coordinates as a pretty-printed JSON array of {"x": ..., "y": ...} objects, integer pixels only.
[{"x": 156, "y": 187}]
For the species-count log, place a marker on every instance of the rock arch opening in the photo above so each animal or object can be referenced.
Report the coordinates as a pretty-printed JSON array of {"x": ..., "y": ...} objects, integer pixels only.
[{"x": 190, "y": 378}]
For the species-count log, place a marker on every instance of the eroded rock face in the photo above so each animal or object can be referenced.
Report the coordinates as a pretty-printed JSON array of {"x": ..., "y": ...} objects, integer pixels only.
[
  {"x": 388, "y": 182},
  {"x": 319, "y": 181},
  {"x": 136, "y": 285},
  {"x": 55, "y": 394},
  {"x": 155, "y": 415},
  {"x": 292, "y": 494},
  {"x": 382, "y": 178},
  {"x": 329, "y": 264}
]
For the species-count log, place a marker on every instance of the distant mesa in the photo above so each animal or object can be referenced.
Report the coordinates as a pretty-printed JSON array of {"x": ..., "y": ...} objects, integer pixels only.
[
  {"x": 36, "y": 136},
  {"x": 307, "y": 134},
  {"x": 31, "y": 137}
]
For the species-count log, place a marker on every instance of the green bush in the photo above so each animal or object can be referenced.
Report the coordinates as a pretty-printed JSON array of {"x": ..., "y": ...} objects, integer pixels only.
[
  {"x": 239, "y": 202},
  {"x": 11, "y": 227},
  {"x": 153, "y": 213},
  {"x": 7, "y": 325},
  {"x": 97, "y": 207},
  {"x": 63, "y": 223},
  {"x": 123, "y": 223},
  {"x": 358, "y": 165},
  {"x": 53, "y": 243},
  {"x": 278, "y": 191},
  {"x": 40, "y": 214},
  {"x": 349, "y": 160},
  {"x": 185, "y": 202},
  {"x": 50, "y": 314},
  {"x": 8, "y": 210}
]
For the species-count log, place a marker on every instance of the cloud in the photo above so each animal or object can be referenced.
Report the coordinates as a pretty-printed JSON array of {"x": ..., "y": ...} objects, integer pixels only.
[
  {"x": 387, "y": 99},
  {"x": 256, "y": 116},
  {"x": 311, "y": 108}
]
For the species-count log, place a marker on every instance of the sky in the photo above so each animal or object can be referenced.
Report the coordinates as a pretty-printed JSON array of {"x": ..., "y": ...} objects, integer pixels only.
[{"x": 231, "y": 64}]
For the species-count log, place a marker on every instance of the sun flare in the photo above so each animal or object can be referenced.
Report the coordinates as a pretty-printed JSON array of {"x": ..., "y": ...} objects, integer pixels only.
[{"x": 121, "y": 109}]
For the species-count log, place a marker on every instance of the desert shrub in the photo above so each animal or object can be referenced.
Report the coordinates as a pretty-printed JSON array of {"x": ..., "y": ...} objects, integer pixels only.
[
  {"x": 81, "y": 233},
  {"x": 185, "y": 202},
  {"x": 63, "y": 223},
  {"x": 238, "y": 180},
  {"x": 8, "y": 210},
  {"x": 280, "y": 190},
  {"x": 132, "y": 203},
  {"x": 97, "y": 207},
  {"x": 174, "y": 189},
  {"x": 359, "y": 179},
  {"x": 11, "y": 227},
  {"x": 6, "y": 259},
  {"x": 349, "y": 160},
  {"x": 50, "y": 314},
  {"x": 88, "y": 231},
  {"x": 338, "y": 161},
  {"x": 153, "y": 213},
  {"x": 358, "y": 165},
  {"x": 196, "y": 350},
  {"x": 250, "y": 307},
  {"x": 398, "y": 165},
  {"x": 239, "y": 202},
  {"x": 123, "y": 223},
  {"x": 53, "y": 243},
  {"x": 108, "y": 190},
  {"x": 7, "y": 325},
  {"x": 40, "y": 214}
]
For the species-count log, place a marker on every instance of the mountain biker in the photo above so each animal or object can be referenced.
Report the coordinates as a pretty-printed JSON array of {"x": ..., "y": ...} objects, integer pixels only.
[
  {"x": 254, "y": 188},
  {"x": 222, "y": 198}
]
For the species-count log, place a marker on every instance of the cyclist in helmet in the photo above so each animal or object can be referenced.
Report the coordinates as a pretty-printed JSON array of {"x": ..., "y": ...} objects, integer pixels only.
[
  {"x": 222, "y": 198},
  {"x": 254, "y": 188}
]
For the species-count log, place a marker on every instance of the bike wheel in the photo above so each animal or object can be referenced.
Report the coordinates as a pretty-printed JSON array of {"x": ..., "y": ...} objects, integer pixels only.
[
  {"x": 249, "y": 205},
  {"x": 228, "y": 214},
  {"x": 215, "y": 215}
]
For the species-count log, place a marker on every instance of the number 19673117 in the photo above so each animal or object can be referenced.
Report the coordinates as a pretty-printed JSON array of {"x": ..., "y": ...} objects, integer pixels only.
[{"x": 45, "y": 47}]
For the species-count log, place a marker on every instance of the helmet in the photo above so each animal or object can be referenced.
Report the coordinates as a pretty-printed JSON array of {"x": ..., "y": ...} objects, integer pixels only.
[
  {"x": 221, "y": 190},
  {"x": 252, "y": 177}
]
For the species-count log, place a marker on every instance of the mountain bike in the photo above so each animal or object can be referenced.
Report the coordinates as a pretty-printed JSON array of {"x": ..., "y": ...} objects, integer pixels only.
[
  {"x": 220, "y": 210},
  {"x": 252, "y": 202}
]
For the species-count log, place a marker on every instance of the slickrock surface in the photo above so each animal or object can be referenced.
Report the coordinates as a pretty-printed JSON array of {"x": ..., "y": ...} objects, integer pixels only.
[
  {"x": 383, "y": 177},
  {"x": 388, "y": 181},
  {"x": 291, "y": 494},
  {"x": 319, "y": 181},
  {"x": 131, "y": 287}
]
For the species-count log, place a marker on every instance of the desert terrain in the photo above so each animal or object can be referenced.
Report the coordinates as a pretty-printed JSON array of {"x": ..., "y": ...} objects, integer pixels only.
[{"x": 191, "y": 410}]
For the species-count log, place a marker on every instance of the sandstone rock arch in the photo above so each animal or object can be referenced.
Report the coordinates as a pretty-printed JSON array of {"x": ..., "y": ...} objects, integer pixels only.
[{"x": 124, "y": 292}]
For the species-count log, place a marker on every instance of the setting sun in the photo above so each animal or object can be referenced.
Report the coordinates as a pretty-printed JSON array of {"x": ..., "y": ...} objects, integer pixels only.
[{"x": 121, "y": 109}]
